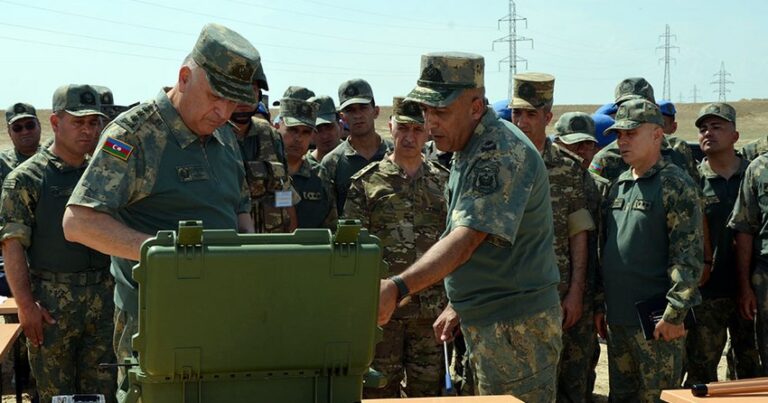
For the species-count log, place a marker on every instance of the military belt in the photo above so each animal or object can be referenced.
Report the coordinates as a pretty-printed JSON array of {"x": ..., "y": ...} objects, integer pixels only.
[{"x": 77, "y": 278}]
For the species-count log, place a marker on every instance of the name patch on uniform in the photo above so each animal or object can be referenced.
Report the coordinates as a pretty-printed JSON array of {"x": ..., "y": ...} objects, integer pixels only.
[
  {"x": 486, "y": 177},
  {"x": 595, "y": 168},
  {"x": 618, "y": 204},
  {"x": 117, "y": 148},
  {"x": 642, "y": 205},
  {"x": 191, "y": 173},
  {"x": 311, "y": 196}
]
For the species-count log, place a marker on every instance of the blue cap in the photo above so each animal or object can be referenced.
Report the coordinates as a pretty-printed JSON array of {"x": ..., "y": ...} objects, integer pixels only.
[
  {"x": 262, "y": 109},
  {"x": 667, "y": 108},
  {"x": 607, "y": 109},
  {"x": 502, "y": 109},
  {"x": 603, "y": 122}
]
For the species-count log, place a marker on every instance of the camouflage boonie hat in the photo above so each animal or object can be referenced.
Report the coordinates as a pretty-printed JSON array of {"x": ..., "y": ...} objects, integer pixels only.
[
  {"x": 298, "y": 112},
  {"x": 18, "y": 111},
  {"x": 326, "y": 110},
  {"x": 633, "y": 113},
  {"x": 533, "y": 91},
  {"x": 295, "y": 92},
  {"x": 406, "y": 111},
  {"x": 260, "y": 79},
  {"x": 229, "y": 61},
  {"x": 445, "y": 75},
  {"x": 575, "y": 127},
  {"x": 633, "y": 88},
  {"x": 355, "y": 91},
  {"x": 719, "y": 109},
  {"x": 77, "y": 100}
]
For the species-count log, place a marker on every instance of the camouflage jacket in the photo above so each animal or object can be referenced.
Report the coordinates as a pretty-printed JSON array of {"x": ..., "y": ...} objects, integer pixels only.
[
  {"x": 754, "y": 148},
  {"x": 10, "y": 159},
  {"x": 569, "y": 206},
  {"x": 609, "y": 164},
  {"x": 406, "y": 213},
  {"x": 751, "y": 207}
]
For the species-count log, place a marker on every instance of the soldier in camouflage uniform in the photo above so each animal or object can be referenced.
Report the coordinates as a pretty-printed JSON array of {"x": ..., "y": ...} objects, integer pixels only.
[
  {"x": 165, "y": 161},
  {"x": 608, "y": 162},
  {"x": 272, "y": 196},
  {"x": 317, "y": 208},
  {"x": 63, "y": 289},
  {"x": 24, "y": 131},
  {"x": 327, "y": 135},
  {"x": 531, "y": 112},
  {"x": 721, "y": 174},
  {"x": 754, "y": 148},
  {"x": 652, "y": 248},
  {"x": 400, "y": 199},
  {"x": 496, "y": 254},
  {"x": 358, "y": 109}
]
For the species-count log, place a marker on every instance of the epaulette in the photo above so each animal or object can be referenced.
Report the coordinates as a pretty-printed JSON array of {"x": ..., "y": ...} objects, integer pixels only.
[
  {"x": 366, "y": 169},
  {"x": 438, "y": 166},
  {"x": 133, "y": 118}
]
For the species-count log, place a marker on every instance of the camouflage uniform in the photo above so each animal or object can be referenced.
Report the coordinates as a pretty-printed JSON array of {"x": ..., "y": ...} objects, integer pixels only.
[
  {"x": 609, "y": 164},
  {"x": 11, "y": 158},
  {"x": 638, "y": 264},
  {"x": 70, "y": 280},
  {"x": 408, "y": 215},
  {"x": 754, "y": 148},
  {"x": 748, "y": 216},
  {"x": 506, "y": 293}
]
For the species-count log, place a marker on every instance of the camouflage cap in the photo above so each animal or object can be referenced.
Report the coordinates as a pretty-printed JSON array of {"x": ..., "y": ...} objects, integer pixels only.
[
  {"x": 297, "y": 112},
  {"x": 295, "y": 92},
  {"x": 575, "y": 127},
  {"x": 18, "y": 111},
  {"x": 229, "y": 61},
  {"x": 326, "y": 110},
  {"x": 406, "y": 111},
  {"x": 77, "y": 100},
  {"x": 108, "y": 106},
  {"x": 633, "y": 88},
  {"x": 719, "y": 109},
  {"x": 634, "y": 112},
  {"x": 533, "y": 91},
  {"x": 445, "y": 75},
  {"x": 260, "y": 79},
  {"x": 355, "y": 91}
]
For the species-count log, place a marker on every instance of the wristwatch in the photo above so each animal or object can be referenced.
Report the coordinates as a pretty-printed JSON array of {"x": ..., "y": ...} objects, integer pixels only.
[{"x": 402, "y": 288}]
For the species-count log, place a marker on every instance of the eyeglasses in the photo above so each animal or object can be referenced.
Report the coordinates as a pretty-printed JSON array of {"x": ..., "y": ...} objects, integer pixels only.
[{"x": 28, "y": 126}]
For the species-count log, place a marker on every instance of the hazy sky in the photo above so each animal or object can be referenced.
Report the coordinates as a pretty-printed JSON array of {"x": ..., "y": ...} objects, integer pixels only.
[{"x": 136, "y": 46}]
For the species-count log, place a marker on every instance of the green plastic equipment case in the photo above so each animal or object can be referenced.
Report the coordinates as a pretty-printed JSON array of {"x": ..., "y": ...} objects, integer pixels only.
[{"x": 226, "y": 317}]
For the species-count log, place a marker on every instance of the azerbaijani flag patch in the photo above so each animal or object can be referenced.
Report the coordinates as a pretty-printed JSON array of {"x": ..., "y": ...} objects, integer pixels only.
[
  {"x": 117, "y": 148},
  {"x": 595, "y": 168}
]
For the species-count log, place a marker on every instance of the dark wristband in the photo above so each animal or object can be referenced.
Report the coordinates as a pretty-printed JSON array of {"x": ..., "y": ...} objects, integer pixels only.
[{"x": 402, "y": 288}]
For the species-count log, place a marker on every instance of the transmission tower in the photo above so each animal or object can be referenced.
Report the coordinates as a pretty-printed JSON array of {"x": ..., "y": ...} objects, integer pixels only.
[
  {"x": 681, "y": 97},
  {"x": 667, "y": 91},
  {"x": 722, "y": 82},
  {"x": 512, "y": 39},
  {"x": 695, "y": 94}
]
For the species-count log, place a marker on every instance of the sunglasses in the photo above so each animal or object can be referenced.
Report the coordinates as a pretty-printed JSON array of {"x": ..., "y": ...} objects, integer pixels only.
[{"x": 28, "y": 126}]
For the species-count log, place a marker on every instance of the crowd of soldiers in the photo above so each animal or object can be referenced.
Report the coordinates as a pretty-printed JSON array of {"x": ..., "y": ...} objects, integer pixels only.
[{"x": 519, "y": 247}]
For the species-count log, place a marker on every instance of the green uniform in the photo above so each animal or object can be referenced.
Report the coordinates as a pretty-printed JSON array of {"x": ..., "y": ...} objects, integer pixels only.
[
  {"x": 638, "y": 263},
  {"x": 343, "y": 162},
  {"x": 717, "y": 312},
  {"x": 499, "y": 186},
  {"x": 749, "y": 216},
  {"x": 262, "y": 152},
  {"x": 317, "y": 208},
  {"x": 609, "y": 164},
  {"x": 9, "y": 160},
  {"x": 408, "y": 215},
  {"x": 754, "y": 148},
  {"x": 150, "y": 172},
  {"x": 68, "y": 279}
]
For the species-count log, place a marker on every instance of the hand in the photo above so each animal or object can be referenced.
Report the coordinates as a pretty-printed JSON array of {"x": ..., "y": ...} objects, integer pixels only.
[
  {"x": 705, "y": 274},
  {"x": 445, "y": 324},
  {"x": 601, "y": 326},
  {"x": 32, "y": 318},
  {"x": 387, "y": 301},
  {"x": 747, "y": 303},
  {"x": 573, "y": 307},
  {"x": 668, "y": 332}
]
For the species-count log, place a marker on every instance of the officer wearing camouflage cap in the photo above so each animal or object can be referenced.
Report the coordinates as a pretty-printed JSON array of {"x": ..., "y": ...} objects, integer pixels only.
[
  {"x": 363, "y": 146},
  {"x": 575, "y": 132},
  {"x": 24, "y": 131},
  {"x": 317, "y": 206},
  {"x": 400, "y": 200},
  {"x": 328, "y": 128},
  {"x": 162, "y": 162},
  {"x": 652, "y": 250},
  {"x": 63, "y": 289},
  {"x": 531, "y": 112},
  {"x": 496, "y": 254}
]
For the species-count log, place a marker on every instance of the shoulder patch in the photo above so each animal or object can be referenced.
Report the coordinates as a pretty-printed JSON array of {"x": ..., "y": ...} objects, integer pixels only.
[
  {"x": 134, "y": 117},
  {"x": 118, "y": 149},
  {"x": 596, "y": 168}
]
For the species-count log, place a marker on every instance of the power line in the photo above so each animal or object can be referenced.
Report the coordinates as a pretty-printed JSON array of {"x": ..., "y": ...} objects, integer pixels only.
[
  {"x": 695, "y": 94},
  {"x": 722, "y": 82},
  {"x": 667, "y": 91},
  {"x": 512, "y": 39}
]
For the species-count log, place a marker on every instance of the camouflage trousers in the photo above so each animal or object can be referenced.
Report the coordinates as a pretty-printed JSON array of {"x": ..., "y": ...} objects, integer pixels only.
[
  {"x": 68, "y": 361},
  {"x": 639, "y": 369},
  {"x": 410, "y": 359},
  {"x": 743, "y": 357},
  {"x": 461, "y": 370},
  {"x": 125, "y": 326},
  {"x": 760, "y": 286},
  {"x": 579, "y": 344},
  {"x": 517, "y": 357}
]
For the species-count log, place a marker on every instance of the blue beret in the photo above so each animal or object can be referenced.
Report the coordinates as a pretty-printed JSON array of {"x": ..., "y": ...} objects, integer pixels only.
[
  {"x": 603, "y": 122},
  {"x": 667, "y": 108},
  {"x": 502, "y": 109},
  {"x": 607, "y": 109}
]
